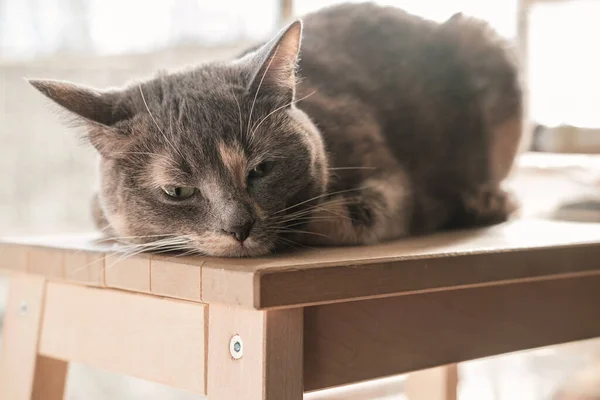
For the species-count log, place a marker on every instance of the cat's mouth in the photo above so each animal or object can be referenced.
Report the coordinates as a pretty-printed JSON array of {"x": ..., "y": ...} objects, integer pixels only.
[{"x": 225, "y": 246}]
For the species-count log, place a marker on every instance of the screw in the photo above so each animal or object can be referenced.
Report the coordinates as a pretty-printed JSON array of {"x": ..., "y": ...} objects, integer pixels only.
[
  {"x": 236, "y": 347},
  {"x": 23, "y": 307}
]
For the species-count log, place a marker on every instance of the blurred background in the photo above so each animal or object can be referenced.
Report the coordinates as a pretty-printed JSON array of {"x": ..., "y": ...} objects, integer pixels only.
[{"x": 47, "y": 176}]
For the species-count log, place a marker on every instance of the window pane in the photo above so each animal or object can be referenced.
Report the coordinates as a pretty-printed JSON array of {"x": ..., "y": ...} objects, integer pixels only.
[
  {"x": 565, "y": 63},
  {"x": 29, "y": 28}
]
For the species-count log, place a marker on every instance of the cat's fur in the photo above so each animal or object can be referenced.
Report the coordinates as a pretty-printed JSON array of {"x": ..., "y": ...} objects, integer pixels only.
[{"x": 392, "y": 125}]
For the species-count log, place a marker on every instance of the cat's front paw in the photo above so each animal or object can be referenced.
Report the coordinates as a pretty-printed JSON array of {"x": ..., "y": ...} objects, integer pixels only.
[{"x": 490, "y": 206}]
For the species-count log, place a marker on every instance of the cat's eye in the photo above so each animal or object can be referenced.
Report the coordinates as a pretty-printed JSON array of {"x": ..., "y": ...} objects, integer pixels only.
[
  {"x": 260, "y": 170},
  {"x": 179, "y": 192}
]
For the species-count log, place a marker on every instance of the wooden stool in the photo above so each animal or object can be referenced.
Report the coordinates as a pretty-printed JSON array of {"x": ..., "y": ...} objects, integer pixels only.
[{"x": 276, "y": 327}]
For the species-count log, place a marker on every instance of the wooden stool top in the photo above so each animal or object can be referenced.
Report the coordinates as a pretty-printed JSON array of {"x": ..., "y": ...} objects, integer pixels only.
[
  {"x": 520, "y": 250},
  {"x": 525, "y": 249}
]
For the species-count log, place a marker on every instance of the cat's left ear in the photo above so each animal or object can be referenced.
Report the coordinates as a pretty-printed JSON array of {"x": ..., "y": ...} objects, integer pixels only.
[
  {"x": 274, "y": 64},
  {"x": 95, "y": 106},
  {"x": 101, "y": 112}
]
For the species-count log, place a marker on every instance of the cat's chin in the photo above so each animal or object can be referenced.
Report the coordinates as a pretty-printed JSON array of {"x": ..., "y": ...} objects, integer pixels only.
[{"x": 231, "y": 248}]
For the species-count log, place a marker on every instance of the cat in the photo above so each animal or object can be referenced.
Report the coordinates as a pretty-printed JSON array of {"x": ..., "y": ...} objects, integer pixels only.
[{"x": 355, "y": 125}]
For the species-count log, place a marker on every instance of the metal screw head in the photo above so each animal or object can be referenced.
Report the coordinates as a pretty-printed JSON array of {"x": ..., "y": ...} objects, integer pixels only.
[
  {"x": 236, "y": 347},
  {"x": 23, "y": 307}
]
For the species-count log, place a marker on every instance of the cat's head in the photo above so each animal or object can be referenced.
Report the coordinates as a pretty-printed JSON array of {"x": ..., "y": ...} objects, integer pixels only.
[{"x": 218, "y": 157}]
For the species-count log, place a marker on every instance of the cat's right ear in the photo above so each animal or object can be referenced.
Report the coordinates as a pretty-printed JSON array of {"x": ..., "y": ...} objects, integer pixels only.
[
  {"x": 100, "y": 112},
  {"x": 273, "y": 65}
]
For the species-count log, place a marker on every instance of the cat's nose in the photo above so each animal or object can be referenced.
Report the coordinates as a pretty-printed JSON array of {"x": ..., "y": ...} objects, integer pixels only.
[{"x": 240, "y": 232}]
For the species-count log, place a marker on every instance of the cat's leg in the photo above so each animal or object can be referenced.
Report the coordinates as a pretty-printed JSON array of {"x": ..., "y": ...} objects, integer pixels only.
[
  {"x": 376, "y": 211},
  {"x": 485, "y": 206}
]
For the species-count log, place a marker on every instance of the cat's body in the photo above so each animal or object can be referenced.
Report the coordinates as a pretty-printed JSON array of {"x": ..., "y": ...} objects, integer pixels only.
[
  {"x": 417, "y": 105},
  {"x": 392, "y": 126}
]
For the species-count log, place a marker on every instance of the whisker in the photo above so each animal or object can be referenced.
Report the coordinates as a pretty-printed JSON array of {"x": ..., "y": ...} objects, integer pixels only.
[
  {"x": 125, "y": 251},
  {"x": 117, "y": 238},
  {"x": 307, "y": 220},
  {"x": 239, "y": 112},
  {"x": 122, "y": 258},
  {"x": 268, "y": 246},
  {"x": 333, "y": 202},
  {"x": 146, "y": 246},
  {"x": 158, "y": 249},
  {"x": 254, "y": 128},
  {"x": 286, "y": 230},
  {"x": 102, "y": 230},
  {"x": 324, "y": 207},
  {"x": 296, "y": 245},
  {"x": 184, "y": 254},
  {"x": 71, "y": 273},
  {"x": 349, "y": 168},
  {"x": 320, "y": 196},
  {"x": 156, "y": 123},
  {"x": 308, "y": 216},
  {"x": 258, "y": 89},
  {"x": 157, "y": 244},
  {"x": 327, "y": 210}
]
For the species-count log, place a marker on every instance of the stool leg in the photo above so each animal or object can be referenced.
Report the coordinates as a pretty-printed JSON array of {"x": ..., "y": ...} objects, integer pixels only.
[
  {"x": 263, "y": 362},
  {"x": 438, "y": 383},
  {"x": 50, "y": 379},
  {"x": 23, "y": 374}
]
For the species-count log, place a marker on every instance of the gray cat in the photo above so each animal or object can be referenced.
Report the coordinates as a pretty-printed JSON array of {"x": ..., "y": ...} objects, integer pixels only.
[{"x": 381, "y": 125}]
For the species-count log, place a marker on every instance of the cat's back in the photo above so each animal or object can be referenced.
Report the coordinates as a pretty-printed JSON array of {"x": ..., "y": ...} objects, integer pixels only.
[
  {"x": 364, "y": 45},
  {"x": 373, "y": 51}
]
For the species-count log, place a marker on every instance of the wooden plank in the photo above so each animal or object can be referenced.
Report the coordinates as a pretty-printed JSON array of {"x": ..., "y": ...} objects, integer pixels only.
[
  {"x": 505, "y": 253},
  {"x": 47, "y": 262},
  {"x": 50, "y": 379},
  {"x": 283, "y": 356},
  {"x": 351, "y": 342},
  {"x": 229, "y": 378},
  {"x": 517, "y": 251},
  {"x": 20, "y": 337},
  {"x": 439, "y": 383},
  {"x": 421, "y": 275},
  {"x": 13, "y": 257},
  {"x": 172, "y": 279},
  {"x": 227, "y": 286},
  {"x": 130, "y": 273},
  {"x": 162, "y": 340},
  {"x": 84, "y": 267},
  {"x": 270, "y": 367}
]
